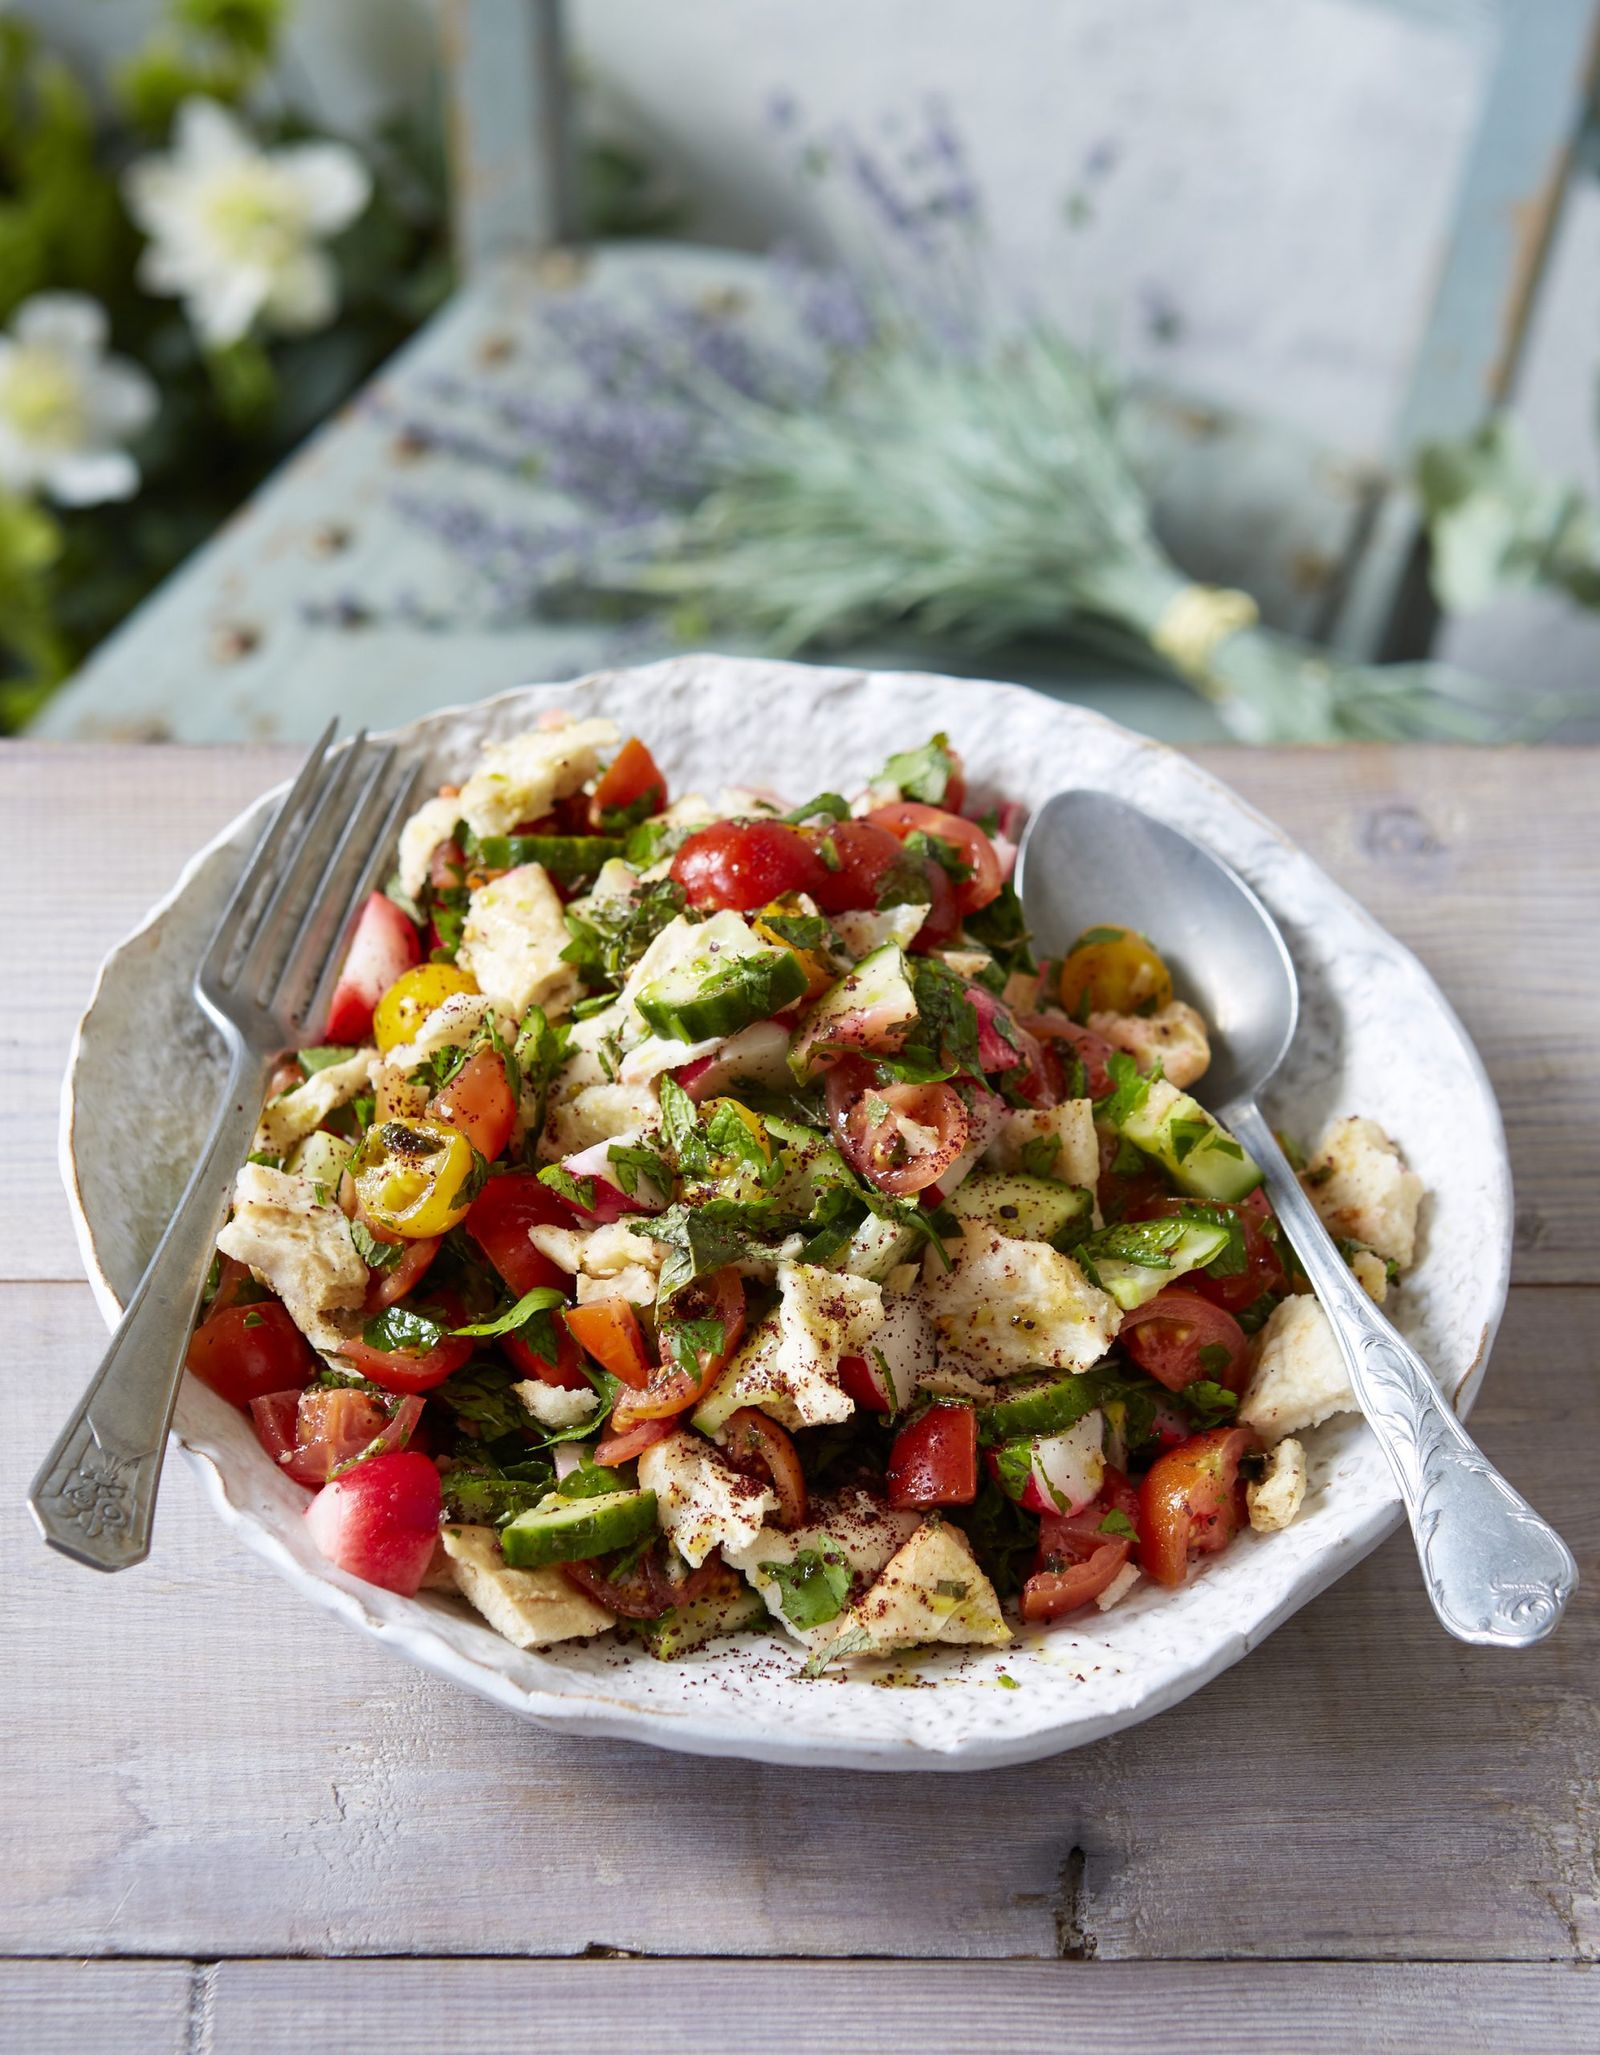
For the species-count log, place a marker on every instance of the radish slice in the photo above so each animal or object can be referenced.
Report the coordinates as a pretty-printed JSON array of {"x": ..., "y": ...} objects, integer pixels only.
[
  {"x": 759, "y": 1053},
  {"x": 611, "y": 1202},
  {"x": 1069, "y": 1469}
]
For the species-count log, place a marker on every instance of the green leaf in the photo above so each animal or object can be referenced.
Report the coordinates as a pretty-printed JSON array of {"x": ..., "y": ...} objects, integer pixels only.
[
  {"x": 1001, "y": 928},
  {"x": 922, "y": 774},
  {"x": 1117, "y": 1522},
  {"x": 403, "y": 1329},
  {"x": 578, "y": 1191},
  {"x": 375, "y": 1254},
  {"x": 826, "y": 805},
  {"x": 1209, "y": 1404},
  {"x": 851, "y": 1642},
  {"x": 480, "y": 1393},
  {"x": 324, "y": 1058},
  {"x": 633, "y": 1160},
  {"x": 1039, "y": 1155},
  {"x": 542, "y": 1299}
]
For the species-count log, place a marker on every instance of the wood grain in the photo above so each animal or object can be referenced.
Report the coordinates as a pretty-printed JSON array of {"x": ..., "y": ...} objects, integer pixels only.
[
  {"x": 223, "y": 1771},
  {"x": 74, "y": 2008},
  {"x": 478, "y": 2008}
]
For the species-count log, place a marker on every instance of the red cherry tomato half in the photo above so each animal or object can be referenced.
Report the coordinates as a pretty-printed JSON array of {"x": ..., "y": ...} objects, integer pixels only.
[
  {"x": 499, "y": 1220},
  {"x": 1168, "y": 1335},
  {"x": 902, "y": 1137},
  {"x": 617, "y": 1449},
  {"x": 941, "y": 922},
  {"x": 633, "y": 775},
  {"x": 718, "y": 1296},
  {"x": 383, "y": 947},
  {"x": 746, "y": 864},
  {"x": 479, "y": 1103},
  {"x": 1192, "y": 1501},
  {"x": 971, "y": 844},
  {"x": 1062, "y": 1040},
  {"x": 380, "y": 1521},
  {"x": 865, "y": 855},
  {"x": 608, "y": 1329},
  {"x": 934, "y": 1460},
  {"x": 751, "y": 1441},
  {"x": 645, "y": 1591},
  {"x": 1070, "y": 1570},
  {"x": 389, "y": 1287},
  {"x": 566, "y": 1372},
  {"x": 244, "y": 1352},
  {"x": 1263, "y": 1269},
  {"x": 409, "y": 1370}
]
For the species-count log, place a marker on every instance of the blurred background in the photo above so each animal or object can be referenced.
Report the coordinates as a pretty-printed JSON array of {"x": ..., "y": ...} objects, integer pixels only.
[{"x": 1230, "y": 368}]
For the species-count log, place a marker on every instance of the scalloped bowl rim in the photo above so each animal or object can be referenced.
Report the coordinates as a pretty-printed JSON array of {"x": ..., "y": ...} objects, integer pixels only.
[{"x": 705, "y": 1727}]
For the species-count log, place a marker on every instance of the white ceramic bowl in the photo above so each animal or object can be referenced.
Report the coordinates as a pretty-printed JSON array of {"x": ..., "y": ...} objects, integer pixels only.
[{"x": 1376, "y": 1037}]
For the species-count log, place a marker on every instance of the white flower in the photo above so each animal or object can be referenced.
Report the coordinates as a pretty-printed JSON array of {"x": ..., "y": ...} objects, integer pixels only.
[
  {"x": 66, "y": 408},
  {"x": 234, "y": 229}
]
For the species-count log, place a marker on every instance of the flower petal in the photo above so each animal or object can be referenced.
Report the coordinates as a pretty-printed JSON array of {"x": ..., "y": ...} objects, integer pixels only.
[
  {"x": 122, "y": 400},
  {"x": 333, "y": 182},
  {"x": 206, "y": 135},
  {"x": 304, "y": 294},
  {"x": 88, "y": 477},
  {"x": 64, "y": 321}
]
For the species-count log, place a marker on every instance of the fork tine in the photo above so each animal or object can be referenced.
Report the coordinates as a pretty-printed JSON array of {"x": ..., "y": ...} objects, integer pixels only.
[
  {"x": 236, "y": 923},
  {"x": 377, "y": 842},
  {"x": 317, "y": 831},
  {"x": 324, "y": 918}
]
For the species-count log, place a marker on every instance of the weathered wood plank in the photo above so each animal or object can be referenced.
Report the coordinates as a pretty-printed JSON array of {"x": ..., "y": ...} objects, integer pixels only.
[
  {"x": 1436, "y": 842},
  {"x": 199, "y": 1764},
  {"x": 66, "y": 2008},
  {"x": 481, "y": 2008}
]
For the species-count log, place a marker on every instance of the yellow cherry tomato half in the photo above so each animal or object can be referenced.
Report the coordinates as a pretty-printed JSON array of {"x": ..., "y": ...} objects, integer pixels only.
[
  {"x": 412, "y": 997},
  {"x": 415, "y": 1177},
  {"x": 820, "y": 974},
  {"x": 1117, "y": 971}
]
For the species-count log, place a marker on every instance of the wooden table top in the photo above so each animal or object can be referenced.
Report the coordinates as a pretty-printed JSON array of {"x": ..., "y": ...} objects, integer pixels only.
[{"x": 220, "y": 1810}]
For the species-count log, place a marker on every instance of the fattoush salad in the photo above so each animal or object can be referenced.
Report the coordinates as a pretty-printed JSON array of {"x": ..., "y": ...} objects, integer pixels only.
[{"x": 712, "y": 1216}]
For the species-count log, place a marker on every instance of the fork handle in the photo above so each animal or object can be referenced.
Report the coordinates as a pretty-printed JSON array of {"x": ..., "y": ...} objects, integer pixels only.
[
  {"x": 94, "y": 1497},
  {"x": 1497, "y": 1573}
]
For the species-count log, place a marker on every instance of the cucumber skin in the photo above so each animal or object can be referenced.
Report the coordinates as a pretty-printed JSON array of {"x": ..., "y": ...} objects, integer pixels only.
[
  {"x": 748, "y": 995},
  {"x": 1205, "y": 1173},
  {"x": 689, "y": 1627},
  {"x": 1048, "y": 1409},
  {"x": 571, "y": 1534}
]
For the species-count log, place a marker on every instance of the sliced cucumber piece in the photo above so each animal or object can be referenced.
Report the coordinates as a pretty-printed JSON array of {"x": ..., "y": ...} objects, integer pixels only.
[
  {"x": 879, "y": 1246},
  {"x": 1048, "y": 1407},
  {"x": 688, "y": 1627},
  {"x": 860, "y": 1010},
  {"x": 567, "y": 857},
  {"x": 1027, "y": 1208},
  {"x": 703, "y": 1004},
  {"x": 1138, "y": 1258},
  {"x": 323, "y": 1158},
  {"x": 570, "y": 1530},
  {"x": 1199, "y": 1154}
]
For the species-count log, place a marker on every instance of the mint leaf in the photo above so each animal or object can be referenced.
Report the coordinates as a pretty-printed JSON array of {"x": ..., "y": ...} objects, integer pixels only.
[
  {"x": 923, "y": 774},
  {"x": 542, "y": 1299}
]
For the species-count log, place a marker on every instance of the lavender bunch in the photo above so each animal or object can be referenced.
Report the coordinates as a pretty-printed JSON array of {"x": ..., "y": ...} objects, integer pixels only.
[{"x": 877, "y": 449}]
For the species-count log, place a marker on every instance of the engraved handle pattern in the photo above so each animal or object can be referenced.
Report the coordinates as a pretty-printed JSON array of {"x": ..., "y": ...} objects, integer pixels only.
[
  {"x": 1495, "y": 1571},
  {"x": 94, "y": 1497}
]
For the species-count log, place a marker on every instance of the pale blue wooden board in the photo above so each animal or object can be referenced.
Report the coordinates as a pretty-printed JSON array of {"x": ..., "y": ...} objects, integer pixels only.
[{"x": 227, "y": 650}]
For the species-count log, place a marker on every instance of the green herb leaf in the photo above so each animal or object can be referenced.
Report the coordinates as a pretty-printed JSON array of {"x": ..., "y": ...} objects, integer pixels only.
[
  {"x": 324, "y": 1058},
  {"x": 1039, "y": 1155},
  {"x": 923, "y": 774},
  {"x": 826, "y": 805},
  {"x": 1209, "y": 1404},
  {"x": 542, "y": 1299},
  {"x": 1117, "y": 1522},
  {"x": 375, "y": 1254},
  {"x": 851, "y": 1642},
  {"x": 577, "y": 1191}
]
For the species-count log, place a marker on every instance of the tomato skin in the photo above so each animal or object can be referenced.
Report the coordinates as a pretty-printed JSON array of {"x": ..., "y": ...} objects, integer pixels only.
[
  {"x": 406, "y": 1370},
  {"x": 1063, "y": 1039},
  {"x": 753, "y": 1441},
  {"x": 380, "y": 1520},
  {"x": 617, "y": 1449},
  {"x": 566, "y": 1372},
  {"x": 389, "y": 1287},
  {"x": 412, "y": 997},
  {"x": 383, "y": 947},
  {"x": 1166, "y": 1334},
  {"x": 1081, "y": 1576},
  {"x": 719, "y": 1296},
  {"x": 1121, "y": 973},
  {"x": 1263, "y": 1271},
  {"x": 941, "y": 922},
  {"x": 745, "y": 865},
  {"x": 632, "y": 773},
  {"x": 479, "y": 1103},
  {"x": 909, "y": 816},
  {"x": 1192, "y": 1501},
  {"x": 608, "y": 1330},
  {"x": 934, "y": 1460},
  {"x": 866, "y": 854},
  {"x": 645, "y": 1591},
  {"x": 245, "y": 1352},
  {"x": 499, "y": 1220}
]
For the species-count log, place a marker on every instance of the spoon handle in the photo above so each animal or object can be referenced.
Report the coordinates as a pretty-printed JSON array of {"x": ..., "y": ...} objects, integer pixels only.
[{"x": 1496, "y": 1572}]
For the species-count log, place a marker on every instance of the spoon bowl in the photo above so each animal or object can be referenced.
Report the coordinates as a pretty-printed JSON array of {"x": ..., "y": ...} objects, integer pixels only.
[
  {"x": 1088, "y": 857},
  {"x": 1497, "y": 1573}
]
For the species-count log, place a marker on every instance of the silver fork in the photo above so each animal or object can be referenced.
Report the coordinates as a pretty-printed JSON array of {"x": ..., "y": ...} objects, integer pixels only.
[{"x": 266, "y": 973}]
